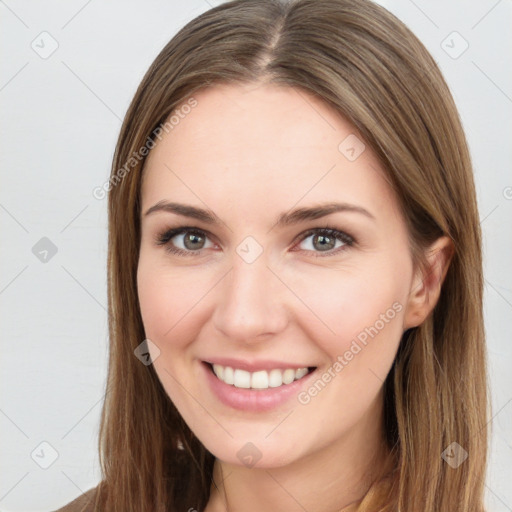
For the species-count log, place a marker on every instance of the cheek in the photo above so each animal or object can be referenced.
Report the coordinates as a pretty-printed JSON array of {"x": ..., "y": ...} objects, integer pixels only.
[
  {"x": 355, "y": 306},
  {"x": 164, "y": 298},
  {"x": 359, "y": 332},
  {"x": 172, "y": 301}
]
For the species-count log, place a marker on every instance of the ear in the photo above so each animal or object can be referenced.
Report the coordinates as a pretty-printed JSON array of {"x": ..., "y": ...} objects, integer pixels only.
[{"x": 426, "y": 285}]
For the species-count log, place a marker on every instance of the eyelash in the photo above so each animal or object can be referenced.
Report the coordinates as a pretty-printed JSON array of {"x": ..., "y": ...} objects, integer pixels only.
[{"x": 164, "y": 238}]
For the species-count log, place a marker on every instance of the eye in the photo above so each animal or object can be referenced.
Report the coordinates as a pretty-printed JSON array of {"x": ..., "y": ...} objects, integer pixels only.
[
  {"x": 325, "y": 240},
  {"x": 192, "y": 240}
]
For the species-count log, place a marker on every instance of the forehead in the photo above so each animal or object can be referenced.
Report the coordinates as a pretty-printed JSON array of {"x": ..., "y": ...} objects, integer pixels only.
[
  {"x": 246, "y": 120},
  {"x": 261, "y": 147}
]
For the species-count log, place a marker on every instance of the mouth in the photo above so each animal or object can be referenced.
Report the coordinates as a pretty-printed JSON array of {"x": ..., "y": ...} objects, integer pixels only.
[{"x": 258, "y": 380}]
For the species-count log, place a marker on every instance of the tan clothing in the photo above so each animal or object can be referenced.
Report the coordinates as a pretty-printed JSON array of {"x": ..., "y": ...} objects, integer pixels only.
[{"x": 83, "y": 503}]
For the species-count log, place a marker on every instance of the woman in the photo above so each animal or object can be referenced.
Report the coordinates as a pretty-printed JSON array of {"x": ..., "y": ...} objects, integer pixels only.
[{"x": 295, "y": 275}]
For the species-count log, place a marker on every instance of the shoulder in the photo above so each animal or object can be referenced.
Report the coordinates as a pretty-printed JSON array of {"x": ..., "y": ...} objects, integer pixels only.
[{"x": 83, "y": 503}]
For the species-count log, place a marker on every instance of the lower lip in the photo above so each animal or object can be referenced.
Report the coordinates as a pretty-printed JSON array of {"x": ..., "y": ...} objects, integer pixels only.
[{"x": 255, "y": 400}]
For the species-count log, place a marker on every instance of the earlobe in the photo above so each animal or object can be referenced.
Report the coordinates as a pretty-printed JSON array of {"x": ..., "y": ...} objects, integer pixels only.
[{"x": 426, "y": 286}]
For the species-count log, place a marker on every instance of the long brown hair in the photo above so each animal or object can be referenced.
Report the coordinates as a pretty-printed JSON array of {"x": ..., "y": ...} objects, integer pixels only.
[{"x": 367, "y": 65}]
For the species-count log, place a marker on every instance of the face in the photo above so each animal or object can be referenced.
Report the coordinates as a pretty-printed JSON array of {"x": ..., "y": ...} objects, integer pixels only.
[{"x": 251, "y": 285}]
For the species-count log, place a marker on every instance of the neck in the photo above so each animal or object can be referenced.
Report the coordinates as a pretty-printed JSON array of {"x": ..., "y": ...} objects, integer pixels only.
[{"x": 332, "y": 477}]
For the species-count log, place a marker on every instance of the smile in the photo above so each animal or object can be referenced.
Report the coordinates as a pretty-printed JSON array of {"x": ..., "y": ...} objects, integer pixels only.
[{"x": 258, "y": 380}]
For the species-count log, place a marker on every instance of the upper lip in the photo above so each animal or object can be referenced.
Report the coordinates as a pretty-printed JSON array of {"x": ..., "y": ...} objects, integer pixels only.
[{"x": 254, "y": 366}]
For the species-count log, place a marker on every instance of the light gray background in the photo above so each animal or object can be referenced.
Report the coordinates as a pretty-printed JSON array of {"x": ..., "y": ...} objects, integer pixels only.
[{"x": 61, "y": 116}]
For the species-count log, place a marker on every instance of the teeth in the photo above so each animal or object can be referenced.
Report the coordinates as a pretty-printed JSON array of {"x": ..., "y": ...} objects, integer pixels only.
[{"x": 257, "y": 380}]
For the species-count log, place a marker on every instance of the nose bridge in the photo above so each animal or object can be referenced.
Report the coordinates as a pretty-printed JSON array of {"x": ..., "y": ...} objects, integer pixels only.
[{"x": 249, "y": 303}]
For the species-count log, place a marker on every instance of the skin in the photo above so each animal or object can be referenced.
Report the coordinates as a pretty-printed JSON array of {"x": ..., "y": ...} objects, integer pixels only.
[{"x": 250, "y": 153}]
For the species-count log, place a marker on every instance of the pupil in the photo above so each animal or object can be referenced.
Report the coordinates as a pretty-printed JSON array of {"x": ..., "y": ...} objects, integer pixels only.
[
  {"x": 190, "y": 239},
  {"x": 325, "y": 246}
]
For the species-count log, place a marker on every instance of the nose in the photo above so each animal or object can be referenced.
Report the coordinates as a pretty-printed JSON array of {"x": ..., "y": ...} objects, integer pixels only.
[{"x": 250, "y": 302}]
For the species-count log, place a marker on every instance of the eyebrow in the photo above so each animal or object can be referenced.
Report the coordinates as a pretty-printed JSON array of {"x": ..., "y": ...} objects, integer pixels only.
[{"x": 285, "y": 219}]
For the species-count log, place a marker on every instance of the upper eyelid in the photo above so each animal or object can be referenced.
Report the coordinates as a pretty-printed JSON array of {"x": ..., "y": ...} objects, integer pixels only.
[{"x": 186, "y": 229}]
